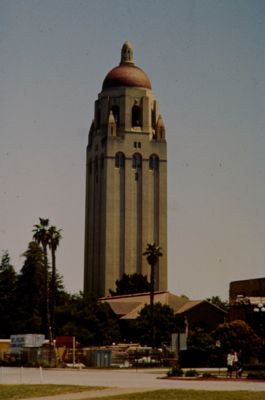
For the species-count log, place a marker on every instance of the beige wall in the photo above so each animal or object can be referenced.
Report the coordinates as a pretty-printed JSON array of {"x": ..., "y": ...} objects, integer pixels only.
[{"x": 123, "y": 214}]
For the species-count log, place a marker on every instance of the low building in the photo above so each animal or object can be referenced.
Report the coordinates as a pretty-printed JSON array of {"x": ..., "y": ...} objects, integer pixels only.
[
  {"x": 196, "y": 312},
  {"x": 247, "y": 303},
  {"x": 243, "y": 289}
]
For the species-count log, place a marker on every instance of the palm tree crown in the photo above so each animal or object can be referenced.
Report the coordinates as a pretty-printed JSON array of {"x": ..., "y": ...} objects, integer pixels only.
[
  {"x": 54, "y": 237},
  {"x": 40, "y": 230},
  {"x": 152, "y": 253}
]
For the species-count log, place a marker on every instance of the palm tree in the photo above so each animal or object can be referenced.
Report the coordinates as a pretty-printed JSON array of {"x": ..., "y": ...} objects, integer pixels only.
[
  {"x": 54, "y": 237},
  {"x": 152, "y": 253},
  {"x": 41, "y": 236}
]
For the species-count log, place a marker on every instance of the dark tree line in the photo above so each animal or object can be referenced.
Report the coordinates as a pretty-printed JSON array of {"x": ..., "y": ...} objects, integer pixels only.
[
  {"x": 24, "y": 306},
  {"x": 131, "y": 284},
  {"x": 35, "y": 301}
]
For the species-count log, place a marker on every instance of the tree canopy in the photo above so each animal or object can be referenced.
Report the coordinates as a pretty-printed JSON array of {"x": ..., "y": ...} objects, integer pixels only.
[
  {"x": 165, "y": 323},
  {"x": 152, "y": 253},
  {"x": 91, "y": 323},
  {"x": 217, "y": 301},
  {"x": 130, "y": 284},
  {"x": 7, "y": 294},
  {"x": 31, "y": 288},
  {"x": 23, "y": 307},
  {"x": 239, "y": 336}
]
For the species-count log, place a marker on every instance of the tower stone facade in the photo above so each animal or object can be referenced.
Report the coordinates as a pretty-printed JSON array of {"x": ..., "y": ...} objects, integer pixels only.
[{"x": 126, "y": 180}]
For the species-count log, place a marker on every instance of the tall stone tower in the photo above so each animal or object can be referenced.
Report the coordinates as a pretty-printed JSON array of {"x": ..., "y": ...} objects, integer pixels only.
[{"x": 126, "y": 180}]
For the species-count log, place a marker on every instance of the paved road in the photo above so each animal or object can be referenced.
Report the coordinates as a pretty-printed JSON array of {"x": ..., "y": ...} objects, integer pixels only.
[{"x": 120, "y": 381}]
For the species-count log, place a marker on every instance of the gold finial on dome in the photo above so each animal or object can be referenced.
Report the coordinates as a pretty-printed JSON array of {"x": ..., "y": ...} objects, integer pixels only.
[{"x": 127, "y": 53}]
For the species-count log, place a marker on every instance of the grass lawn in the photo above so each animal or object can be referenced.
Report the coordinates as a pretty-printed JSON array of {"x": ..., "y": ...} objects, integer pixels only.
[
  {"x": 13, "y": 392},
  {"x": 188, "y": 395}
]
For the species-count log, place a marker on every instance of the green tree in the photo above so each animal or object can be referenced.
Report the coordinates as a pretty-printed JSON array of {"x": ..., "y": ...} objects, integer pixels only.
[
  {"x": 41, "y": 236},
  {"x": 199, "y": 339},
  {"x": 200, "y": 348},
  {"x": 31, "y": 292},
  {"x": 54, "y": 237},
  {"x": 91, "y": 323},
  {"x": 7, "y": 296},
  {"x": 130, "y": 284},
  {"x": 165, "y": 323},
  {"x": 152, "y": 253},
  {"x": 238, "y": 335},
  {"x": 217, "y": 301}
]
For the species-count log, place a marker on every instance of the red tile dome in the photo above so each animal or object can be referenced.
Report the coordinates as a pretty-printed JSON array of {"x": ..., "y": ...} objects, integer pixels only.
[{"x": 126, "y": 74}]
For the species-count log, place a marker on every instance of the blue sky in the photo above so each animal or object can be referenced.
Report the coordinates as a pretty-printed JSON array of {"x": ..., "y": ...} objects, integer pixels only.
[{"x": 206, "y": 62}]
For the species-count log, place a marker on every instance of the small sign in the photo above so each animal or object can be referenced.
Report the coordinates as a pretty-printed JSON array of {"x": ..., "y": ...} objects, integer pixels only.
[
  {"x": 178, "y": 342},
  {"x": 27, "y": 340}
]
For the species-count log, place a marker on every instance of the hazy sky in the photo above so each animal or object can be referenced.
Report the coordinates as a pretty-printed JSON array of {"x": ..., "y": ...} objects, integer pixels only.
[{"x": 206, "y": 62}]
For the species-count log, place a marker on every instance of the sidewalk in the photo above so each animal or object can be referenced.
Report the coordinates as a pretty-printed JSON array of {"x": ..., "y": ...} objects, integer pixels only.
[{"x": 118, "y": 381}]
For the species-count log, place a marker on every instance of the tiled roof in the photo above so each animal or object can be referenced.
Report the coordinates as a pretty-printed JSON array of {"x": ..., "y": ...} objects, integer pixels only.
[
  {"x": 123, "y": 308},
  {"x": 188, "y": 305},
  {"x": 129, "y": 306}
]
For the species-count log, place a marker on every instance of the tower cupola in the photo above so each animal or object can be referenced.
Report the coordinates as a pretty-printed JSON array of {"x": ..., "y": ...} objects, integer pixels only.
[{"x": 127, "y": 74}]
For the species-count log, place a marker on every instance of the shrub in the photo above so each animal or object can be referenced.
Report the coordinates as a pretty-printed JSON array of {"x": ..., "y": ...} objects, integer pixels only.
[
  {"x": 254, "y": 367},
  {"x": 175, "y": 372},
  {"x": 4, "y": 363},
  {"x": 256, "y": 375},
  {"x": 208, "y": 375},
  {"x": 191, "y": 372}
]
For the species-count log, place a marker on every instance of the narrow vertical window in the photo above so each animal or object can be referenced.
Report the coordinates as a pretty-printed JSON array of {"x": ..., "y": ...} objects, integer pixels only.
[
  {"x": 136, "y": 161},
  {"x": 153, "y": 116},
  {"x": 153, "y": 162},
  {"x": 116, "y": 113},
  {"x": 136, "y": 116},
  {"x": 119, "y": 160}
]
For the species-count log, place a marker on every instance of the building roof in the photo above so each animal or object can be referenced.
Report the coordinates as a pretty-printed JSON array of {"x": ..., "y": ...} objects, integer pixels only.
[
  {"x": 188, "y": 305},
  {"x": 124, "y": 307},
  {"x": 127, "y": 74},
  {"x": 134, "y": 313},
  {"x": 129, "y": 306}
]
